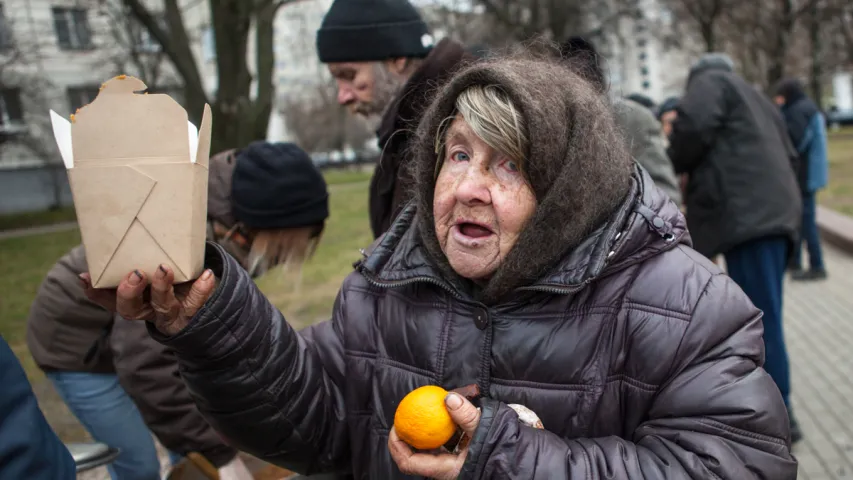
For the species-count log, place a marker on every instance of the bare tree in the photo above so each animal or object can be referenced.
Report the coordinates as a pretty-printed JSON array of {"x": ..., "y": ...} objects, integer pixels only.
[
  {"x": 131, "y": 48},
  {"x": 557, "y": 19},
  {"x": 240, "y": 116},
  {"x": 705, "y": 15},
  {"x": 319, "y": 124}
]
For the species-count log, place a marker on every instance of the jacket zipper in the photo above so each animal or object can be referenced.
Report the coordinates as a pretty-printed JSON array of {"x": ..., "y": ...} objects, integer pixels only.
[{"x": 403, "y": 283}]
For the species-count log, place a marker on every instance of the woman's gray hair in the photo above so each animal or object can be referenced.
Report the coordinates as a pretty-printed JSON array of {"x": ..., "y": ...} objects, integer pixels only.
[{"x": 493, "y": 117}]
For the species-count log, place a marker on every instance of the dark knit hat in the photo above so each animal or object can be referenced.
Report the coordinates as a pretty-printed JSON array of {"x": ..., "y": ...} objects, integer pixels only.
[
  {"x": 668, "y": 105},
  {"x": 276, "y": 185},
  {"x": 368, "y": 30}
]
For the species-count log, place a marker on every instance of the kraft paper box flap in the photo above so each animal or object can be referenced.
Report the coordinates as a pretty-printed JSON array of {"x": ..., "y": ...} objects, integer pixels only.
[{"x": 138, "y": 174}]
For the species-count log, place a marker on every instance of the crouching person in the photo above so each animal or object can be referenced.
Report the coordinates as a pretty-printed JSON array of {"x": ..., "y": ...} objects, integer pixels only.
[
  {"x": 267, "y": 205},
  {"x": 539, "y": 264}
]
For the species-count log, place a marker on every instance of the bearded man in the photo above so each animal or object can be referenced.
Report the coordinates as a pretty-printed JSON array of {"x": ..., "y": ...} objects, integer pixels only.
[{"x": 385, "y": 62}]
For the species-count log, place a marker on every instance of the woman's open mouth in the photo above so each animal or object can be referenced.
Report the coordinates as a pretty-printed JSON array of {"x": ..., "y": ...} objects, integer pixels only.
[{"x": 471, "y": 233}]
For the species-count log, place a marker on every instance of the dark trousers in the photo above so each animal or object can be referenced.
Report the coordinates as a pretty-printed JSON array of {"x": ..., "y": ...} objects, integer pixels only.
[
  {"x": 758, "y": 267},
  {"x": 810, "y": 235}
]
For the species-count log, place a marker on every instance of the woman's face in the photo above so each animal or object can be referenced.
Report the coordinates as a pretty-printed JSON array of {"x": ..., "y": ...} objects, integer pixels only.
[{"x": 482, "y": 203}]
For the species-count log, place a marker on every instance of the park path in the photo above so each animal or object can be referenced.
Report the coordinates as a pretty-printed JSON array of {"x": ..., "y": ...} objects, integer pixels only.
[{"x": 30, "y": 231}]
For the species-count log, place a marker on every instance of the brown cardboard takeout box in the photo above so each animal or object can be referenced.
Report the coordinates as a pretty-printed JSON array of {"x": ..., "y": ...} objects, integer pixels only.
[{"x": 138, "y": 174}]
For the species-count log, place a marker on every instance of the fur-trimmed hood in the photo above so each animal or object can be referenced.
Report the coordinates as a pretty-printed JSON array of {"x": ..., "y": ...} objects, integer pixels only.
[{"x": 578, "y": 167}]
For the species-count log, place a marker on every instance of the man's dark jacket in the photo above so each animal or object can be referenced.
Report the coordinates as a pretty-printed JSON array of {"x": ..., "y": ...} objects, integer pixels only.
[
  {"x": 389, "y": 188},
  {"x": 733, "y": 143}
]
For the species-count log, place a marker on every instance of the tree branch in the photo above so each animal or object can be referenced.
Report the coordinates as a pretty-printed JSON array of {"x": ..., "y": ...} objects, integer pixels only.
[{"x": 175, "y": 42}]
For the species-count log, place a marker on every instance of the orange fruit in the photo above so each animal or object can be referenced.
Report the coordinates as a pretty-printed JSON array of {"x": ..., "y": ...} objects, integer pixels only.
[{"x": 422, "y": 420}]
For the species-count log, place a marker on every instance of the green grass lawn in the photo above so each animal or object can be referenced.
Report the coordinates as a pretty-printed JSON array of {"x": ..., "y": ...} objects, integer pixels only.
[{"x": 839, "y": 193}]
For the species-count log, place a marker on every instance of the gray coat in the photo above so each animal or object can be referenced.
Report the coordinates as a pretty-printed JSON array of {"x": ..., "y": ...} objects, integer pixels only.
[{"x": 647, "y": 145}]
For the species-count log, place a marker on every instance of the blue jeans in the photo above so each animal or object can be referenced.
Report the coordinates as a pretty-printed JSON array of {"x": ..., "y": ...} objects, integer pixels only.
[
  {"x": 108, "y": 413},
  {"x": 810, "y": 235},
  {"x": 758, "y": 267}
]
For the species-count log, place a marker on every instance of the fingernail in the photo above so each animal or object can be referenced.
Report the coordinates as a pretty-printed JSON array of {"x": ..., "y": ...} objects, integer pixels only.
[
  {"x": 207, "y": 274},
  {"x": 83, "y": 280},
  {"x": 162, "y": 272},
  {"x": 453, "y": 401},
  {"x": 135, "y": 279}
]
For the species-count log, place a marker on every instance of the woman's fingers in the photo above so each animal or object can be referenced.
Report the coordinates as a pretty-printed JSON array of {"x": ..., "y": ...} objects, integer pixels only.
[
  {"x": 163, "y": 300},
  {"x": 130, "y": 303},
  {"x": 199, "y": 293},
  {"x": 175, "y": 306}
]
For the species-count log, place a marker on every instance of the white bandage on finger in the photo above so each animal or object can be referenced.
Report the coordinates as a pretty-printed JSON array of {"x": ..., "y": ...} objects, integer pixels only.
[{"x": 526, "y": 416}]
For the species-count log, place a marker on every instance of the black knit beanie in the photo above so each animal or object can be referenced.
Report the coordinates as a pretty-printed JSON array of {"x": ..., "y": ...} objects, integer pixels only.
[
  {"x": 368, "y": 30},
  {"x": 276, "y": 185}
]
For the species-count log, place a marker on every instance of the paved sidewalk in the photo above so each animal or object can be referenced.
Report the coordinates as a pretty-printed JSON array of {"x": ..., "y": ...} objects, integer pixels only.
[
  {"x": 819, "y": 335},
  {"x": 26, "y": 232}
]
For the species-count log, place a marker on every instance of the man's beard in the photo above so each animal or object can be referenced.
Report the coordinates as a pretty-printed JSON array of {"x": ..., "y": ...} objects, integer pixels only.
[{"x": 386, "y": 86}]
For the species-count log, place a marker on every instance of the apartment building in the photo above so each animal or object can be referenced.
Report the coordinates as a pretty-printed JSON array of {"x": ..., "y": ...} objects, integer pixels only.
[{"x": 54, "y": 54}]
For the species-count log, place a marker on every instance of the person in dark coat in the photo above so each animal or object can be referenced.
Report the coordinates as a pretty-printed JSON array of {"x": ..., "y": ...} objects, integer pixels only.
[
  {"x": 29, "y": 448},
  {"x": 666, "y": 114},
  {"x": 642, "y": 131},
  {"x": 807, "y": 129},
  {"x": 538, "y": 269},
  {"x": 381, "y": 54},
  {"x": 742, "y": 195},
  {"x": 266, "y": 205}
]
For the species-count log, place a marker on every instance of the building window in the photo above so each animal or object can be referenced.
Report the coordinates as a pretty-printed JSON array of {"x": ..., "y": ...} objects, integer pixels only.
[
  {"x": 11, "y": 111},
  {"x": 646, "y": 85},
  {"x": 642, "y": 56},
  {"x": 644, "y": 71},
  {"x": 641, "y": 42},
  {"x": 81, "y": 96},
  {"x": 72, "y": 28},
  {"x": 5, "y": 31}
]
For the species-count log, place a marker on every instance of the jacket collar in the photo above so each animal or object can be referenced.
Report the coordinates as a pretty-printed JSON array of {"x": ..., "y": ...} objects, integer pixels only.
[
  {"x": 408, "y": 105},
  {"x": 646, "y": 224}
]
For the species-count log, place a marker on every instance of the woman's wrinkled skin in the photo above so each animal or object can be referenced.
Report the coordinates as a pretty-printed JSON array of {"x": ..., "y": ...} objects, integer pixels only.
[{"x": 482, "y": 203}]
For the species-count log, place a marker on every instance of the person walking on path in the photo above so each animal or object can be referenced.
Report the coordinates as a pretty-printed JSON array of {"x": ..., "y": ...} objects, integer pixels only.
[
  {"x": 743, "y": 200},
  {"x": 807, "y": 129},
  {"x": 382, "y": 56}
]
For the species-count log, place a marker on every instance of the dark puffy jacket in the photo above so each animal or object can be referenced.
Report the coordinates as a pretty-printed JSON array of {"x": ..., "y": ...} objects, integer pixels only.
[
  {"x": 640, "y": 356},
  {"x": 29, "y": 448},
  {"x": 734, "y": 145}
]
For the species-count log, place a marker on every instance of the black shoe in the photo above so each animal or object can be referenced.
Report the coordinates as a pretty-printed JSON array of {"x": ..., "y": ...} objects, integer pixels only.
[
  {"x": 796, "y": 433},
  {"x": 809, "y": 275}
]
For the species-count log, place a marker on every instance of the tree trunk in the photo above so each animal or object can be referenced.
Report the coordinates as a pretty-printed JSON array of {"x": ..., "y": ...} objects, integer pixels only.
[
  {"x": 231, "y": 21},
  {"x": 816, "y": 71},
  {"x": 708, "y": 36},
  {"x": 782, "y": 36},
  {"x": 265, "y": 60}
]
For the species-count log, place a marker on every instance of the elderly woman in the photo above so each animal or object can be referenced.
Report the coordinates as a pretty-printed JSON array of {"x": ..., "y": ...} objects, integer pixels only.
[
  {"x": 539, "y": 264},
  {"x": 267, "y": 204}
]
